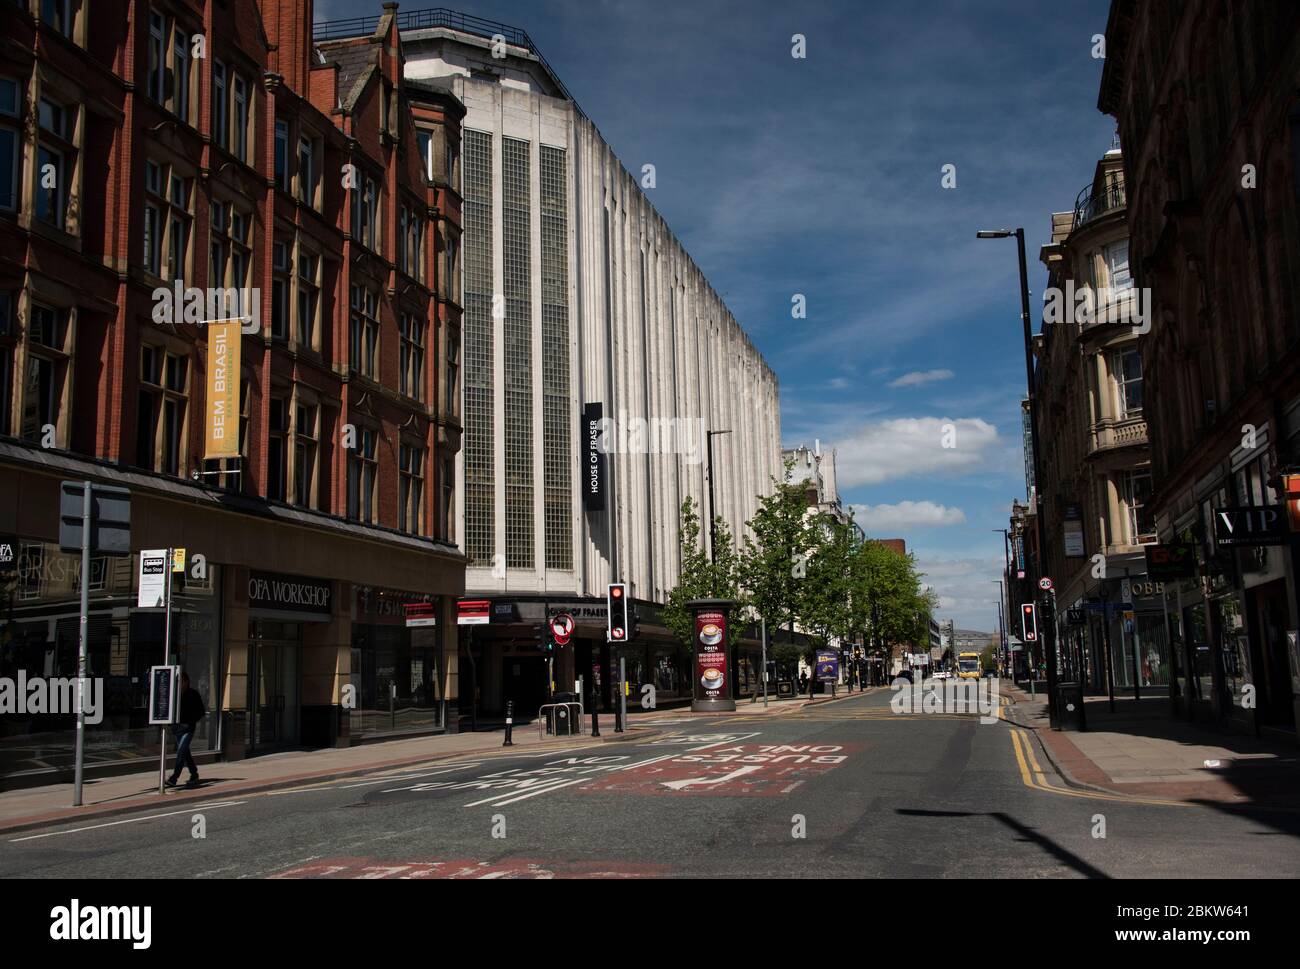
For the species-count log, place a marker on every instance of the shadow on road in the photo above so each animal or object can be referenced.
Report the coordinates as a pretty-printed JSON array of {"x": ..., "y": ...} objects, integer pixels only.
[{"x": 1064, "y": 856}]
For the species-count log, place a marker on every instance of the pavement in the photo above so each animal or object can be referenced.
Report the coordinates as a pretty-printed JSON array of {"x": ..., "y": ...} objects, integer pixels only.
[
  {"x": 122, "y": 794},
  {"x": 1141, "y": 749},
  {"x": 850, "y": 787}
]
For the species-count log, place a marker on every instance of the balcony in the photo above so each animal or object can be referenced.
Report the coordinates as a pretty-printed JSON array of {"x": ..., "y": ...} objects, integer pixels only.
[
  {"x": 1095, "y": 201},
  {"x": 1111, "y": 435}
]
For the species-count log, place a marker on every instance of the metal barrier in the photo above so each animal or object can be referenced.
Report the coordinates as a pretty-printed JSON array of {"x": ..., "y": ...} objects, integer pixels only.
[{"x": 572, "y": 712}]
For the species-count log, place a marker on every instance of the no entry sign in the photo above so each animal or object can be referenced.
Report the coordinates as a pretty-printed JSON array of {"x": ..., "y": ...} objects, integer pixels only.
[{"x": 562, "y": 628}]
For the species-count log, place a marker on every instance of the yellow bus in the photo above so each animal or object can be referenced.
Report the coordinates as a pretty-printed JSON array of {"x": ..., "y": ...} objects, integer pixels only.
[{"x": 968, "y": 666}]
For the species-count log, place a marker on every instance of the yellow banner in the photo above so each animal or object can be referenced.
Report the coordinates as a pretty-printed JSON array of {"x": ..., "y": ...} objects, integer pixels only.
[{"x": 221, "y": 428}]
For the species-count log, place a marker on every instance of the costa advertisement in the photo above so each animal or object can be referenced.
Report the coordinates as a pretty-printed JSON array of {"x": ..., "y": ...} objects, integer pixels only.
[{"x": 711, "y": 656}]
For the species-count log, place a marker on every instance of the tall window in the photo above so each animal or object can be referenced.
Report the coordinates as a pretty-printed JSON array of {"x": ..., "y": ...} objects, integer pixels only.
[
  {"x": 181, "y": 73},
  {"x": 153, "y": 209},
  {"x": 556, "y": 422},
  {"x": 306, "y": 437},
  {"x": 277, "y": 449},
  {"x": 53, "y": 162},
  {"x": 411, "y": 355},
  {"x": 364, "y": 335},
  {"x": 480, "y": 450},
  {"x": 1137, "y": 499},
  {"x": 157, "y": 55},
  {"x": 166, "y": 220},
  {"x": 307, "y": 172},
  {"x": 279, "y": 290},
  {"x": 7, "y": 304},
  {"x": 1116, "y": 256},
  {"x": 363, "y": 470},
  {"x": 160, "y": 419},
  {"x": 231, "y": 257},
  {"x": 308, "y": 297},
  {"x": 282, "y": 155},
  {"x": 220, "y": 129},
  {"x": 58, "y": 14},
  {"x": 365, "y": 213},
  {"x": 517, "y": 337},
  {"x": 453, "y": 366},
  {"x": 410, "y": 244},
  {"x": 45, "y": 378},
  {"x": 410, "y": 493},
  {"x": 1127, "y": 367},
  {"x": 10, "y": 143},
  {"x": 425, "y": 139},
  {"x": 239, "y": 118}
]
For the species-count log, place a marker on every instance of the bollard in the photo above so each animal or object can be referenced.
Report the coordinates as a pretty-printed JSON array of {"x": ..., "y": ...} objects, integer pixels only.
[
  {"x": 510, "y": 720},
  {"x": 618, "y": 717},
  {"x": 595, "y": 721}
]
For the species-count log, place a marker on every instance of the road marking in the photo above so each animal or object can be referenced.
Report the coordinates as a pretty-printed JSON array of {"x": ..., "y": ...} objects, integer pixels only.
[
  {"x": 407, "y": 777},
  {"x": 523, "y": 797},
  {"x": 1035, "y": 777},
  {"x": 703, "y": 781},
  {"x": 111, "y": 824}
]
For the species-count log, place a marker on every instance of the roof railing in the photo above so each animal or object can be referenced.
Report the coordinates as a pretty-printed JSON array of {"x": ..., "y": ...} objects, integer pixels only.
[{"x": 1093, "y": 203}]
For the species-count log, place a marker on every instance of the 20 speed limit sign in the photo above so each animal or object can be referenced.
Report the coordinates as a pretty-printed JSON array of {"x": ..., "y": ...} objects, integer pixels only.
[{"x": 1045, "y": 584}]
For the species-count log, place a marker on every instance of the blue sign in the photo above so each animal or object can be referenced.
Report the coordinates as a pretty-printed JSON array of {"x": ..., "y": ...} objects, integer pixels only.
[{"x": 828, "y": 665}]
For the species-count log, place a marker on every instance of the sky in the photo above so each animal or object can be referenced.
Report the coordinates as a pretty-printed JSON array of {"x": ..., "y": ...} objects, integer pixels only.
[{"x": 822, "y": 176}]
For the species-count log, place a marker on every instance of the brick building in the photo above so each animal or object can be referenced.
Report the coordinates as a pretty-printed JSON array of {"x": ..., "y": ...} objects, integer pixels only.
[{"x": 151, "y": 147}]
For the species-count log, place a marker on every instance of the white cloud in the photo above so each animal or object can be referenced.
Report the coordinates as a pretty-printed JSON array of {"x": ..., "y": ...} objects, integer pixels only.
[
  {"x": 967, "y": 587},
  {"x": 837, "y": 383},
  {"x": 906, "y": 514},
  {"x": 918, "y": 377},
  {"x": 904, "y": 447}
]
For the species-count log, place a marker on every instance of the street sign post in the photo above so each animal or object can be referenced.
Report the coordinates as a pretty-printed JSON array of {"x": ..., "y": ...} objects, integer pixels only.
[{"x": 92, "y": 518}]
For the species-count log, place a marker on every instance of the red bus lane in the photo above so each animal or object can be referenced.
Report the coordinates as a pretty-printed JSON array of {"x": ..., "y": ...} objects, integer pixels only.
[{"x": 763, "y": 770}]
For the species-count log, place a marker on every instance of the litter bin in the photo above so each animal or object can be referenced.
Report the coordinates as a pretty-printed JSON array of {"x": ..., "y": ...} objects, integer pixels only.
[{"x": 1069, "y": 698}]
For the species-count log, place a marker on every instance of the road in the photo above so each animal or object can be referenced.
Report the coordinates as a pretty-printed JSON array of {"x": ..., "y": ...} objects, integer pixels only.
[{"x": 847, "y": 788}]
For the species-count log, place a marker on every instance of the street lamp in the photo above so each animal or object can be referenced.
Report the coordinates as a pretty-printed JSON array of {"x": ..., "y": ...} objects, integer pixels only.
[
  {"x": 713, "y": 553},
  {"x": 1033, "y": 438}
]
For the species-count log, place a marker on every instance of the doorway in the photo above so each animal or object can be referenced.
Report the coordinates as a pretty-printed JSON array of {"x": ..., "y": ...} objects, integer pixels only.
[{"x": 275, "y": 650}]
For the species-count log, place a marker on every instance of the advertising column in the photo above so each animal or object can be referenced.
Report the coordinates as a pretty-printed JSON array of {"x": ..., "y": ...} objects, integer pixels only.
[{"x": 713, "y": 691}]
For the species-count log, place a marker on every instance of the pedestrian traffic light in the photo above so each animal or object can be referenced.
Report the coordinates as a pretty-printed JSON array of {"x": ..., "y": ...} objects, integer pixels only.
[
  {"x": 616, "y": 601},
  {"x": 542, "y": 637},
  {"x": 1029, "y": 621},
  {"x": 634, "y": 632}
]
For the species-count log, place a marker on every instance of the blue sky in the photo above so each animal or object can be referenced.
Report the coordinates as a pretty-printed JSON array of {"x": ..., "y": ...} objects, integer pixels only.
[{"x": 821, "y": 176}]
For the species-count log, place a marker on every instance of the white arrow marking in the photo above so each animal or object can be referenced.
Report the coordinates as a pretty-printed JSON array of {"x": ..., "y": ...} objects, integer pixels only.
[{"x": 738, "y": 772}]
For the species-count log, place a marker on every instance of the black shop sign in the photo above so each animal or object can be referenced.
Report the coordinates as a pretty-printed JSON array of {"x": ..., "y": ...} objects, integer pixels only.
[{"x": 289, "y": 593}]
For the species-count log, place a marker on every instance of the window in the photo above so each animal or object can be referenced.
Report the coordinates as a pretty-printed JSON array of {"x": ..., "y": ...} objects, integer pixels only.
[
  {"x": 157, "y": 31},
  {"x": 411, "y": 355},
  {"x": 308, "y": 298},
  {"x": 152, "y": 219},
  {"x": 230, "y": 260},
  {"x": 410, "y": 493},
  {"x": 307, "y": 172},
  {"x": 450, "y": 160},
  {"x": 1137, "y": 498},
  {"x": 45, "y": 377},
  {"x": 277, "y": 453},
  {"x": 181, "y": 73},
  {"x": 1127, "y": 367},
  {"x": 52, "y": 163},
  {"x": 362, "y": 473},
  {"x": 10, "y": 143},
  {"x": 240, "y": 118},
  {"x": 7, "y": 303},
  {"x": 364, "y": 334},
  {"x": 448, "y": 490},
  {"x": 280, "y": 291},
  {"x": 160, "y": 419},
  {"x": 306, "y": 436},
  {"x": 426, "y": 151},
  {"x": 166, "y": 221},
  {"x": 220, "y": 130},
  {"x": 1120, "y": 281},
  {"x": 282, "y": 155},
  {"x": 410, "y": 244},
  {"x": 365, "y": 213},
  {"x": 227, "y": 473},
  {"x": 58, "y": 14},
  {"x": 453, "y": 363}
]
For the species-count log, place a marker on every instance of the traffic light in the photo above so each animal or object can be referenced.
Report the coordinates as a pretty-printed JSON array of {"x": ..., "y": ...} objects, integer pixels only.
[
  {"x": 616, "y": 601},
  {"x": 542, "y": 637},
  {"x": 1029, "y": 622},
  {"x": 634, "y": 632}
]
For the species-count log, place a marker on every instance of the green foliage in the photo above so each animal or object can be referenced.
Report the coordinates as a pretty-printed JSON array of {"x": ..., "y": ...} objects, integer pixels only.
[
  {"x": 776, "y": 556},
  {"x": 701, "y": 579}
]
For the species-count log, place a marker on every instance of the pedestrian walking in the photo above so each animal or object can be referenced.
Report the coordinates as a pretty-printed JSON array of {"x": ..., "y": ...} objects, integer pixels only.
[{"x": 192, "y": 711}]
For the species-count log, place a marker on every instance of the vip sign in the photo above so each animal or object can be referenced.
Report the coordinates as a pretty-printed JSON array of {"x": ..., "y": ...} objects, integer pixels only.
[
  {"x": 1249, "y": 525},
  {"x": 221, "y": 428}
]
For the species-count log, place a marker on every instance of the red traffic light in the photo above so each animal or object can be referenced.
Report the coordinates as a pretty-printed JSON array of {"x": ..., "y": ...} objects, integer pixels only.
[{"x": 616, "y": 591}]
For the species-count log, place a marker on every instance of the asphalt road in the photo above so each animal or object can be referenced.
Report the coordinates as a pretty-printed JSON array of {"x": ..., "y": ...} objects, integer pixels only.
[{"x": 842, "y": 789}]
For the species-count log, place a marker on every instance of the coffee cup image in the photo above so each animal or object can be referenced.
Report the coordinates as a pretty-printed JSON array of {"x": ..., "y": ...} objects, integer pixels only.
[
  {"x": 710, "y": 634},
  {"x": 712, "y": 679}
]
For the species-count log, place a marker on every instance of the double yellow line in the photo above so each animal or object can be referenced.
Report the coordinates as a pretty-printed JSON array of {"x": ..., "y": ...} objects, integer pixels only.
[{"x": 1035, "y": 777}]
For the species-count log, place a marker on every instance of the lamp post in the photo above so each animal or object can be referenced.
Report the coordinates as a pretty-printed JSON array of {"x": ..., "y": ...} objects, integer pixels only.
[
  {"x": 713, "y": 554},
  {"x": 1033, "y": 439}
]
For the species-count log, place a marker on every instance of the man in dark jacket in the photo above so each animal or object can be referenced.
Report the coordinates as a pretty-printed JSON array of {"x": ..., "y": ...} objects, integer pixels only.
[{"x": 192, "y": 711}]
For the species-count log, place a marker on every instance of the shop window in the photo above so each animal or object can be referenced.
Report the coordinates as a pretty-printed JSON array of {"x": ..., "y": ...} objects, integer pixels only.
[
  {"x": 364, "y": 332},
  {"x": 277, "y": 449},
  {"x": 411, "y": 329},
  {"x": 410, "y": 489},
  {"x": 10, "y": 143},
  {"x": 363, "y": 472},
  {"x": 163, "y": 403}
]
